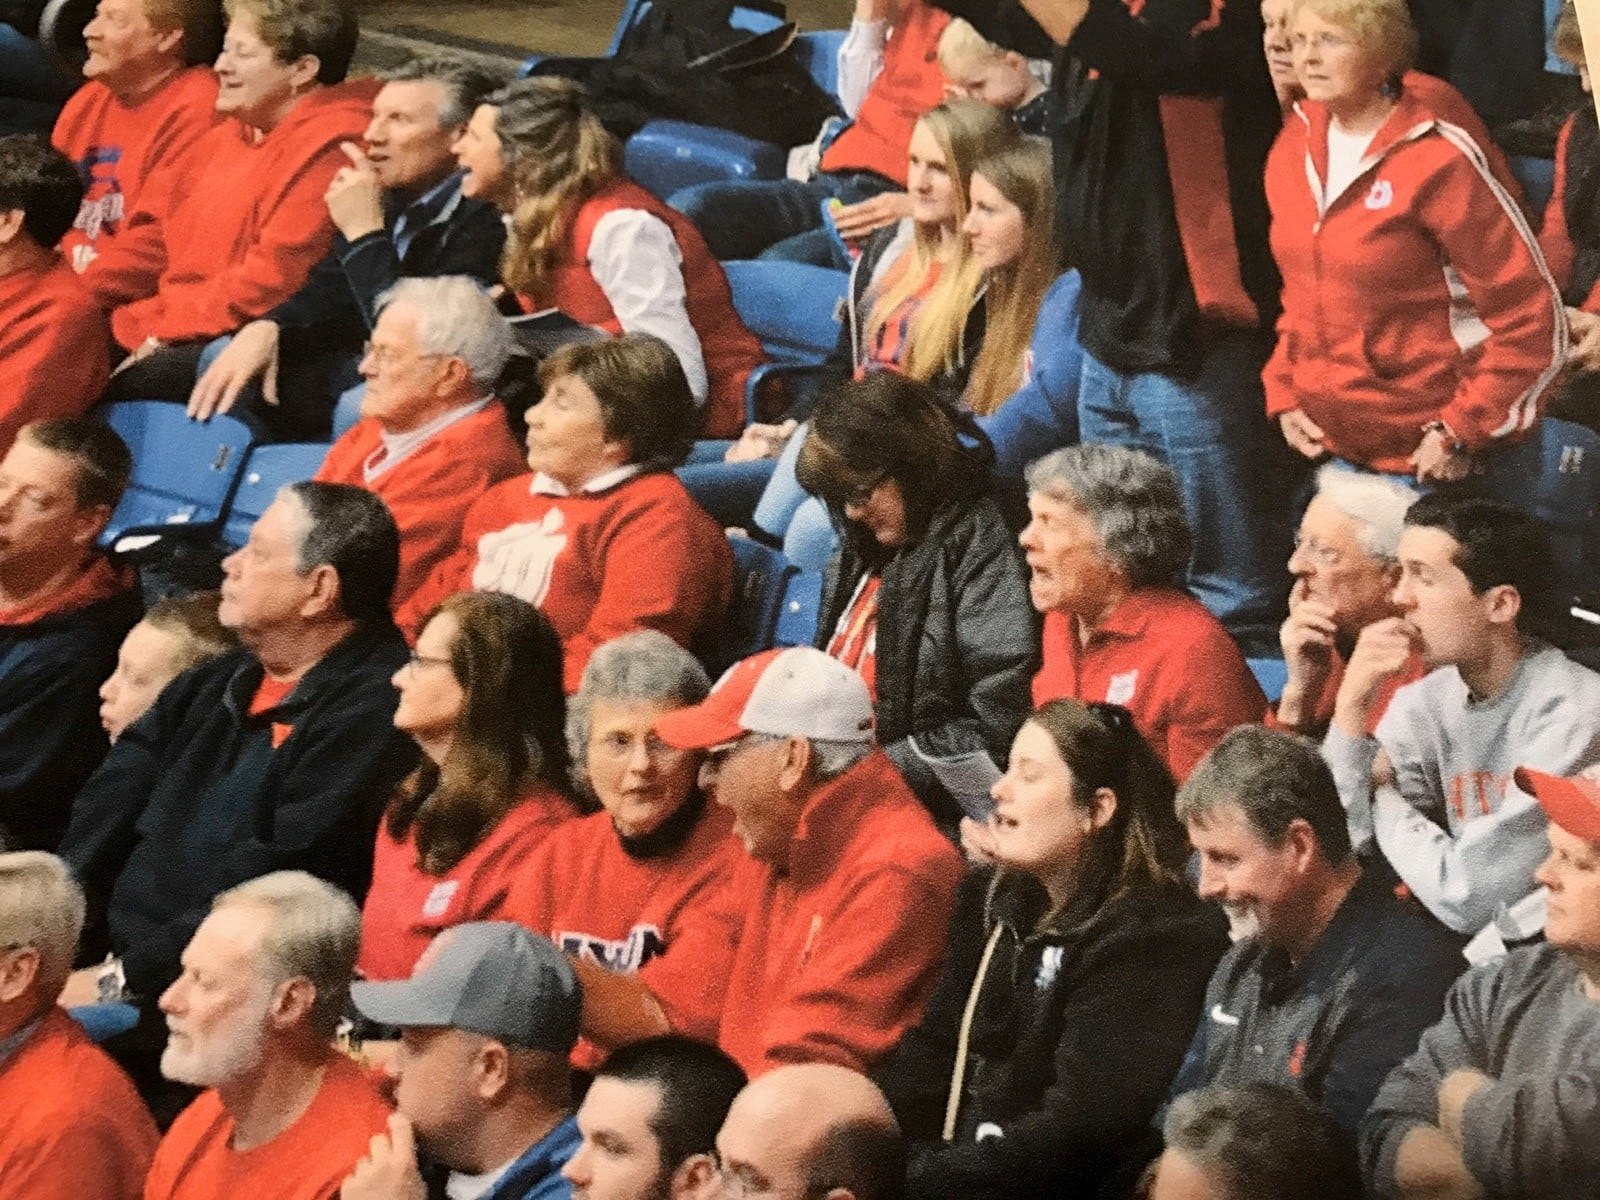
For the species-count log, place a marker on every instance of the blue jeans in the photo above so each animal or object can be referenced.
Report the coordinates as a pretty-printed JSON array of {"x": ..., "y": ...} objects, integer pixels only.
[
  {"x": 33, "y": 85},
  {"x": 741, "y": 218},
  {"x": 1212, "y": 431}
]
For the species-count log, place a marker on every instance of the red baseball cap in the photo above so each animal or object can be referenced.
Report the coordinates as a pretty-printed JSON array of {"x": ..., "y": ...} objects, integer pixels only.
[
  {"x": 798, "y": 692},
  {"x": 1573, "y": 804}
]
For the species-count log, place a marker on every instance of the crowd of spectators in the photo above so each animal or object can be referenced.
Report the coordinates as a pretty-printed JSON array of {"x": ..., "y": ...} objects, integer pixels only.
[{"x": 1181, "y": 340}]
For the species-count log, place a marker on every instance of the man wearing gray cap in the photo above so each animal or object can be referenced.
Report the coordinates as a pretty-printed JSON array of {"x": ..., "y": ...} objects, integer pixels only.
[{"x": 487, "y": 1022}]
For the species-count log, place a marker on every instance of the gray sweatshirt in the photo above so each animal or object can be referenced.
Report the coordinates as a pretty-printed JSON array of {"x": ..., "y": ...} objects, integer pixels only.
[
  {"x": 1525, "y": 1022},
  {"x": 1458, "y": 831}
]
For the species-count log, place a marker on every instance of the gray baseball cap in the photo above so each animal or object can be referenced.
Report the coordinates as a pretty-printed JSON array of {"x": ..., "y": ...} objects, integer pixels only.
[{"x": 489, "y": 977}]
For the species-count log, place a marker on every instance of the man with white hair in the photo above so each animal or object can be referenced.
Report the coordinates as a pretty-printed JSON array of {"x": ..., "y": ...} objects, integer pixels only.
[
  {"x": 265, "y": 980},
  {"x": 73, "y": 1124},
  {"x": 850, "y": 885},
  {"x": 1345, "y": 566},
  {"x": 432, "y": 438}
]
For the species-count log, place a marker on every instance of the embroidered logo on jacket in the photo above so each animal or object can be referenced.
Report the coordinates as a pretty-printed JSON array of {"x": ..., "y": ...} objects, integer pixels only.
[
  {"x": 643, "y": 943},
  {"x": 1121, "y": 687},
  {"x": 1381, "y": 195}
]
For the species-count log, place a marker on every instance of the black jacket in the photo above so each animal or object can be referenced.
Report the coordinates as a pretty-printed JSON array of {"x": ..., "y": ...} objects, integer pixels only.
[
  {"x": 1078, "y": 1029},
  {"x": 336, "y": 307},
  {"x": 195, "y": 798},
  {"x": 50, "y": 736},
  {"x": 958, "y": 641}
]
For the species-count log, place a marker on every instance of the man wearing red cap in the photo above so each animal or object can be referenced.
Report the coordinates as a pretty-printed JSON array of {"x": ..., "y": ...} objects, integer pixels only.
[
  {"x": 851, "y": 886},
  {"x": 1502, "y": 1098}
]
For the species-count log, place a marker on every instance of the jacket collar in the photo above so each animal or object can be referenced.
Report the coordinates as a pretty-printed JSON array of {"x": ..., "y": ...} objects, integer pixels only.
[
  {"x": 338, "y": 665},
  {"x": 833, "y": 813}
]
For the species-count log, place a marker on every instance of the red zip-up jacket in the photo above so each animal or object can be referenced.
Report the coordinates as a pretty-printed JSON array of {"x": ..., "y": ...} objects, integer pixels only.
[{"x": 1417, "y": 294}]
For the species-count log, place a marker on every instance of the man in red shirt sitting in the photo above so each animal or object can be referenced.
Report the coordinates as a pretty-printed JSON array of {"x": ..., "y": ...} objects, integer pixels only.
[
  {"x": 850, "y": 884},
  {"x": 73, "y": 1124},
  {"x": 55, "y": 348}
]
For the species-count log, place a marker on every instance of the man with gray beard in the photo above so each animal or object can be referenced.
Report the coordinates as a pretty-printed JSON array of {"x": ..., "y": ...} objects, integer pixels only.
[{"x": 251, "y": 1018}]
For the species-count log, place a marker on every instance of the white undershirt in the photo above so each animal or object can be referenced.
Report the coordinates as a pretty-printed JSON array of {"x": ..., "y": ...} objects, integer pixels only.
[
  {"x": 638, "y": 265},
  {"x": 1345, "y": 152},
  {"x": 471, "y": 1187}
]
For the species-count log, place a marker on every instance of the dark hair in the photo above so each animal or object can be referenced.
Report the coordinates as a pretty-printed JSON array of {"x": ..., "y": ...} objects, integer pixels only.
[
  {"x": 465, "y": 83},
  {"x": 1497, "y": 545},
  {"x": 867, "y": 1157},
  {"x": 325, "y": 29},
  {"x": 644, "y": 395},
  {"x": 887, "y": 426},
  {"x": 1262, "y": 1141},
  {"x": 1142, "y": 843},
  {"x": 352, "y": 531},
  {"x": 695, "y": 1086},
  {"x": 507, "y": 659},
  {"x": 103, "y": 461},
  {"x": 42, "y": 182},
  {"x": 1274, "y": 779}
]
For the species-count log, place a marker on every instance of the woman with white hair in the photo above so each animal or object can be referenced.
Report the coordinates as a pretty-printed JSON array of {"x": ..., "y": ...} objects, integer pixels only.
[
  {"x": 1421, "y": 329},
  {"x": 1108, "y": 545}
]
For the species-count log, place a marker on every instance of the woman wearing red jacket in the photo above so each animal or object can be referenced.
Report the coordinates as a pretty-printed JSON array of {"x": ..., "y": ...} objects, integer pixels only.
[
  {"x": 1420, "y": 325},
  {"x": 589, "y": 241}
]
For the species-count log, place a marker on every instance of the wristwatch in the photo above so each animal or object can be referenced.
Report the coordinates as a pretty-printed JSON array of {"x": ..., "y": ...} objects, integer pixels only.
[{"x": 111, "y": 984}]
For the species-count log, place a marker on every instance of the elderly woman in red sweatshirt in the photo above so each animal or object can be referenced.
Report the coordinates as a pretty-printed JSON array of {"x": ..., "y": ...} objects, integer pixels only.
[
  {"x": 602, "y": 537},
  {"x": 1420, "y": 326}
]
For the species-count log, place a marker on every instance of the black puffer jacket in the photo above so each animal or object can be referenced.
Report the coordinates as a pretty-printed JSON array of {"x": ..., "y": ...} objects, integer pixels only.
[
  {"x": 958, "y": 641},
  {"x": 1078, "y": 1030}
]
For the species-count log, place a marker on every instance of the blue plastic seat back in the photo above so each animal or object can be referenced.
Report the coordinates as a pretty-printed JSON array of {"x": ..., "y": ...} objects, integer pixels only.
[
  {"x": 184, "y": 471},
  {"x": 794, "y": 308},
  {"x": 1537, "y": 177},
  {"x": 800, "y": 610},
  {"x": 268, "y": 469},
  {"x": 1564, "y": 493},
  {"x": 760, "y": 575},
  {"x": 751, "y": 18},
  {"x": 818, "y": 53},
  {"x": 1271, "y": 674},
  {"x": 664, "y": 156}
]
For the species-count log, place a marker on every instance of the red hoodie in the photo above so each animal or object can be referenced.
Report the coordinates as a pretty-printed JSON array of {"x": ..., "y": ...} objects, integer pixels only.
[
  {"x": 55, "y": 350},
  {"x": 239, "y": 232}
]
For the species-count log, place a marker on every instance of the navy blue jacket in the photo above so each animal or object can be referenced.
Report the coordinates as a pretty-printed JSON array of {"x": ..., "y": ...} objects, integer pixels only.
[
  {"x": 195, "y": 798},
  {"x": 50, "y": 736}
]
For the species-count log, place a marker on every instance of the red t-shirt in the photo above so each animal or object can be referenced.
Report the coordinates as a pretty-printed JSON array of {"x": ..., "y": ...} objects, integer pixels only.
[
  {"x": 1165, "y": 659},
  {"x": 307, "y": 1161},
  {"x": 406, "y": 907},
  {"x": 855, "y": 640}
]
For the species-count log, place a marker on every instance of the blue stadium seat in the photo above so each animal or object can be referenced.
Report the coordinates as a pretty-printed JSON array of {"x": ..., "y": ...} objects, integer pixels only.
[
  {"x": 1564, "y": 494},
  {"x": 800, "y": 610},
  {"x": 1537, "y": 177},
  {"x": 269, "y": 468},
  {"x": 667, "y": 155},
  {"x": 759, "y": 16},
  {"x": 760, "y": 576},
  {"x": 184, "y": 472},
  {"x": 795, "y": 309},
  {"x": 1271, "y": 674}
]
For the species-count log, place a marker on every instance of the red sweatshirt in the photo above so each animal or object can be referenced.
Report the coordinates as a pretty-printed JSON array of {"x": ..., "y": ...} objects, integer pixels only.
[
  {"x": 730, "y": 350},
  {"x": 639, "y": 554},
  {"x": 73, "y": 1125},
  {"x": 840, "y": 951},
  {"x": 121, "y": 149},
  {"x": 239, "y": 237},
  {"x": 307, "y": 1161},
  {"x": 1417, "y": 294},
  {"x": 55, "y": 349},
  {"x": 910, "y": 83},
  {"x": 429, "y": 490},
  {"x": 406, "y": 907},
  {"x": 672, "y": 919},
  {"x": 1165, "y": 659}
]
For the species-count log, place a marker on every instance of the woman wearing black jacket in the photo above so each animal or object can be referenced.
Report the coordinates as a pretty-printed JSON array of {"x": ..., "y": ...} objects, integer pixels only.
[
  {"x": 927, "y": 596},
  {"x": 1077, "y": 969}
]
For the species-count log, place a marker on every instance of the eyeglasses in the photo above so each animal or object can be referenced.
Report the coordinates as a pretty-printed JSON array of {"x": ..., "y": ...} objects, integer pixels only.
[
  {"x": 417, "y": 661},
  {"x": 718, "y": 757},
  {"x": 622, "y": 745},
  {"x": 384, "y": 357},
  {"x": 862, "y": 495},
  {"x": 1322, "y": 554}
]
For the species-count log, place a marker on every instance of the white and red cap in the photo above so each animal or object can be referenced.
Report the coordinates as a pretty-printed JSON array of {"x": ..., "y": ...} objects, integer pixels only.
[
  {"x": 798, "y": 692},
  {"x": 1573, "y": 804}
]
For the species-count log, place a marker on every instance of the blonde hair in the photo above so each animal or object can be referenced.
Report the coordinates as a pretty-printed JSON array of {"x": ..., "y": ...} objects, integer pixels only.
[
  {"x": 966, "y": 131},
  {"x": 1022, "y": 174},
  {"x": 41, "y": 906},
  {"x": 557, "y": 154},
  {"x": 1379, "y": 27},
  {"x": 961, "y": 45}
]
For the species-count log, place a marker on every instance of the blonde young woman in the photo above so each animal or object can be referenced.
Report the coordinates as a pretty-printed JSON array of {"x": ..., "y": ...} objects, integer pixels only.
[{"x": 589, "y": 241}]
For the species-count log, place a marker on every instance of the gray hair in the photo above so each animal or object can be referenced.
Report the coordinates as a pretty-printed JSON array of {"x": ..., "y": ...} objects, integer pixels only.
[
  {"x": 41, "y": 906},
  {"x": 643, "y": 667},
  {"x": 1259, "y": 1141},
  {"x": 353, "y": 531},
  {"x": 1133, "y": 501},
  {"x": 1376, "y": 504},
  {"x": 315, "y": 935},
  {"x": 456, "y": 318},
  {"x": 465, "y": 84},
  {"x": 1273, "y": 779},
  {"x": 830, "y": 759}
]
